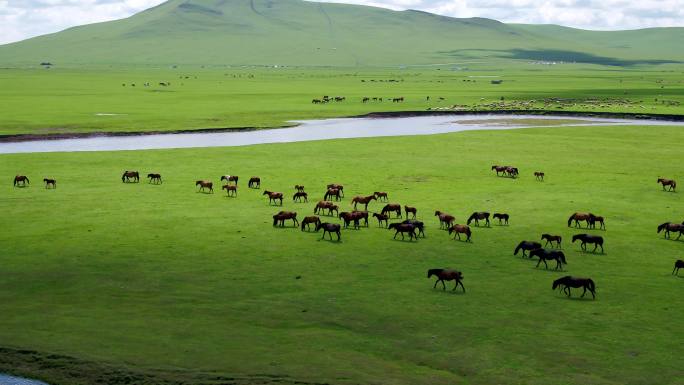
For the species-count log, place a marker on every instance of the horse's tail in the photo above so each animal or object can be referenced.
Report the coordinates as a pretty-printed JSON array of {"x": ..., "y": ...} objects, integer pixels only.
[
  {"x": 570, "y": 219},
  {"x": 661, "y": 227},
  {"x": 27, "y": 180},
  {"x": 518, "y": 248}
]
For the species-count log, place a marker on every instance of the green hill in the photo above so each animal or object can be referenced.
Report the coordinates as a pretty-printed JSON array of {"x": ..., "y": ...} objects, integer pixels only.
[{"x": 295, "y": 32}]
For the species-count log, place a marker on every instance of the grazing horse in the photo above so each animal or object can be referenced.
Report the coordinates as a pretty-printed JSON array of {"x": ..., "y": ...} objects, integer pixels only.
[
  {"x": 499, "y": 169},
  {"x": 348, "y": 217},
  {"x": 410, "y": 210},
  {"x": 324, "y": 205},
  {"x": 381, "y": 195},
  {"x": 231, "y": 190},
  {"x": 678, "y": 265},
  {"x": 539, "y": 176},
  {"x": 50, "y": 182},
  {"x": 580, "y": 217},
  {"x": 671, "y": 227},
  {"x": 446, "y": 275},
  {"x": 501, "y": 217},
  {"x": 595, "y": 218},
  {"x": 460, "y": 229},
  {"x": 329, "y": 228},
  {"x": 154, "y": 178},
  {"x": 299, "y": 195},
  {"x": 668, "y": 182},
  {"x": 274, "y": 196},
  {"x": 551, "y": 239},
  {"x": 391, "y": 207},
  {"x": 381, "y": 218},
  {"x": 282, "y": 216},
  {"x": 332, "y": 192},
  {"x": 417, "y": 224},
  {"x": 445, "y": 220},
  {"x": 254, "y": 182},
  {"x": 527, "y": 246},
  {"x": 401, "y": 228},
  {"x": 299, "y": 188},
  {"x": 512, "y": 171},
  {"x": 549, "y": 255},
  {"x": 309, "y": 220},
  {"x": 337, "y": 187},
  {"x": 128, "y": 175},
  {"x": 597, "y": 240},
  {"x": 21, "y": 178},
  {"x": 230, "y": 178},
  {"x": 363, "y": 200},
  {"x": 205, "y": 184},
  {"x": 477, "y": 216},
  {"x": 565, "y": 283}
]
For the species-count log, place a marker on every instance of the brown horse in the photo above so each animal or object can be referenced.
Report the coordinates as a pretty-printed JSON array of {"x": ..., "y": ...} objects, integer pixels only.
[
  {"x": 299, "y": 188},
  {"x": 512, "y": 172},
  {"x": 392, "y": 207},
  {"x": 154, "y": 178},
  {"x": 50, "y": 182},
  {"x": 273, "y": 197},
  {"x": 527, "y": 246},
  {"x": 565, "y": 283},
  {"x": 23, "y": 179},
  {"x": 337, "y": 187},
  {"x": 348, "y": 217},
  {"x": 254, "y": 182},
  {"x": 595, "y": 218},
  {"x": 401, "y": 228},
  {"x": 325, "y": 205},
  {"x": 381, "y": 218},
  {"x": 457, "y": 230},
  {"x": 329, "y": 228},
  {"x": 501, "y": 217},
  {"x": 580, "y": 217},
  {"x": 205, "y": 184},
  {"x": 586, "y": 238},
  {"x": 363, "y": 200},
  {"x": 671, "y": 227},
  {"x": 282, "y": 216},
  {"x": 551, "y": 239},
  {"x": 299, "y": 195},
  {"x": 309, "y": 220},
  {"x": 499, "y": 169},
  {"x": 382, "y": 196},
  {"x": 445, "y": 220},
  {"x": 668, "y": 182},
  {"x": 447, "y": 275},
  {"x": 477, "y": 217},
  {"x": 539, "y": 176},
  {"x": 231, "y": 189},
  {"x": 128, "y": 175},
  {"x": 410, "y": 210},
  {"x": 678, "y": 265},
  {"x": 359, "y": 215},
  {"x": 332, "y": 193},
  {"x": 549, "y": 255},
  {"x": 230, "y": 178},
  {"x": 420, "y": 226}
]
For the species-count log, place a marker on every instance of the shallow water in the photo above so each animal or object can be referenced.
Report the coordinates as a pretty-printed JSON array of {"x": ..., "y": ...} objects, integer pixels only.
[
  {"x": 11, "y": 380},
  {"x": 313, "y": 130}
]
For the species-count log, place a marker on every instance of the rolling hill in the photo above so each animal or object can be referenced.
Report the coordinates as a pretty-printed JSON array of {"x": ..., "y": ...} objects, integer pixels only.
[{"x": 296, "y": 32}]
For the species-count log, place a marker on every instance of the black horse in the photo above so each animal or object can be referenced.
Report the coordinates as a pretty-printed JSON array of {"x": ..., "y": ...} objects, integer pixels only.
[
  {"x": 447, "y": 275},
  {"x": 597, "y": 240},
  {"x": 549, "y": 255},
  {"x": 527, "y": 246},
  {"x": 678, "y": 265},
  {"x": 401, "y": 228},
  {"x": 565, "y": 283},
  {"x": 477, "y": 217},
  {"x": 417, "y": 224},
  {"x": 329, "y": 228},
  {"x": 501, "y": 217}
]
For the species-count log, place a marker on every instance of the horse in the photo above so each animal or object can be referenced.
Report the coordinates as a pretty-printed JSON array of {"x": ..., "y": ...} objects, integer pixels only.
[
  {"x": 254, "y": 182},
  {"x": 325, "y": 205},
  {"x": 348, "y": 217},
  {"x": 597, "y": 240},
  {"x": 358, "y": 215},
  {"x": 332, "y": 192},
  {"x": 477, "y": 216},
  {"x": 337, "y": 187},
  {"x": 329, "y": 228},
  {"x": 527, "y": 246},
  {"x": 21, "y": 178},
  {"x": 501, "y": 217},
  {"x": 205, "y": 184},
  {"x": 299, "y": 188},
  {"x": 128, "y": 175},
  {"x": 460, "y": 229},
  {"x": 274, "y": 196},
  {"x": 411, "y": 210},
  {"x": 568, "y": 281},
  {"x": 417, "y": 224},
  {"x": 512, "y": 171},
  {"x": 390, "y": 207},
  {"x": 552, "y": 238},
  {"x": 678, "y": 265},
  {"x": 668, "y": 182},
  {"x": 671, "y": 227},
  {"x": 446, "y": 275},
  {"x": 539, "y": 176},
  {"x": 381, "y": 218},
  {"x": 230, "y": 178},
  {"x": 445, "y": 220},
  {"x": 299, "y": 195},
  {"x": 595, "y": 218},
  {"x": 381, "y": 195},
  {"x": 309, "y": 220},
  {"x": 282, "y": 216},
  {"x": 580, "y": 217},
  {"x": 154, "y": 178},
  {"x": 499, "y": 169},
  {"x": 401, "y": 228},
  {"x": 548, "y": 255},
  {"x": 363, "y": 200},
  {"x": 50, "y": 182},
  {"x": 231, "y": 190}
]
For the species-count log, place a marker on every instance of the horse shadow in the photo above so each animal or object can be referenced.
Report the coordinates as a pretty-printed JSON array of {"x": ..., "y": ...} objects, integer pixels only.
[
  {"x": 592, "y": 252},
  {"x": 587, "y": 297},
  {"x": 333, "y": 241},
  {"x": 448, "y": 290}
]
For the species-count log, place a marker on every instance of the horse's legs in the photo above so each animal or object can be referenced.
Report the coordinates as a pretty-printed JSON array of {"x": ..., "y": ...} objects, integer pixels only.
[
  {"x": 338, "y": 235},
  {"x": 546, "y": 264},
  {"x": 584, "y": 292},
  {"x": 595, "y": 246},
  {"x": 539, "y": 263},
  {"x": 436, "y": 282},
  {"x": 601, "y": 248},
  {"x": 443, "y": 285}
]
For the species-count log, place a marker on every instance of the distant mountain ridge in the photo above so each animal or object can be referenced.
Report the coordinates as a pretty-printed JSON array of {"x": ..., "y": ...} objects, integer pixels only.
[{"x": 297, "y": 32}]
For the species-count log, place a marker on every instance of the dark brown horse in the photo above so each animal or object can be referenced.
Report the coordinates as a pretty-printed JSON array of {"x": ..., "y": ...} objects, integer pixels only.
[
  {"x": 381, "y": 218},
  {"x": 363, "y": 200},
  {"x": 477, "y": 217},
  {"x": 254, "y": 182},
  {"x": 128, "y": 175},
  {"x": 512, "y": 172},
  {"x": 445, "y": 220},
  {"x": 420, "y": 226},
  {"x": 527, "y": 246},
  {"x": 392, "y": 207},
  {"x": 594, "y": 219},
  {"x": 567, "y": 282},
  {"x": 549, "y": 255},
  {"x": 329, "y": 228},
  {"x": 457, "y": 230},
  {"x": 597, "y": 240},
  {"x": 499, "y": 169},
  {"x": 551, "y": 239},
  {"x": 325, "y": 205},
  {"x": 332, "y": 193},
  {"x": 231, "y": 189},
  {"x": 501, "y": 217},
  {"x": 668, "y": 182},
  {"x": 539, "y": 176},
  {"x": 299, "y": 188},
  {"x": 348, "y": 217},
  {"x": 410, "y": 210},
  {"x": 402, "y": 228},
  {"x": 154, "y": 178},
  {"x": 23, "y": 179},
  {"x": 230, "y": 178},
  {"x": 678, "y": 265},
  {"x": 446, "y": 275},
  {"x": 273, "y": 197},
  {"x": 205, "y": 184},
  {"x": 309, "y": 220},
  {"x": 382, "y": 196},
  {"x": 299, "y": 195},
  {"x": 580, "y": 217},
  {"x": 282, "y": 216},
  {"x": 50, "y": 182},
  {"x": 670, "y": 227},
  {"x": 359, "y": 215},
  {"x": 337, "y": 187}
]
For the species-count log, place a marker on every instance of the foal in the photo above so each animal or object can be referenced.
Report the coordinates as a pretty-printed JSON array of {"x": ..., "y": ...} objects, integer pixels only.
[{"x": 50, "y": 182}]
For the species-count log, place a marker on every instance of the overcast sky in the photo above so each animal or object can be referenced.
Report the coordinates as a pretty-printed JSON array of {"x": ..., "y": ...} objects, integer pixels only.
[{"x": 21, "y": 19}]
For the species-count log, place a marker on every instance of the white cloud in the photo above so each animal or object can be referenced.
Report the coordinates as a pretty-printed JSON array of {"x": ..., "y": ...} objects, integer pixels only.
[{"x": 21, "y": 19}]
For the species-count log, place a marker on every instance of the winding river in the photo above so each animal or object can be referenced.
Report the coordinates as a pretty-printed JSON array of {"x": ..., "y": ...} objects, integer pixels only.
[
  {"x": 11, "y": 380},
  {"x": 309, "y": 130}
]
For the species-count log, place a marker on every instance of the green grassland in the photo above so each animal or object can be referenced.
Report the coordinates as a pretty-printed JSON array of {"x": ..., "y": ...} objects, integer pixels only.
[
  {"x": 79, "y": 100},
  {"x": 185, "y": 286}
]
